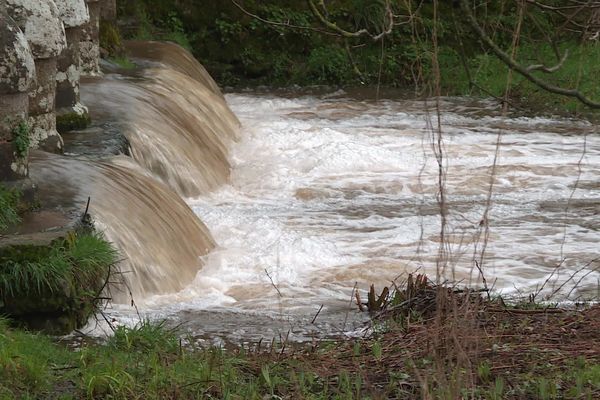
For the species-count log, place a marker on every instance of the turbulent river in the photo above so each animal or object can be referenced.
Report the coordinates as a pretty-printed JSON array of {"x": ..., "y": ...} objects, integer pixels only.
[{"x": 329, "y": 192}]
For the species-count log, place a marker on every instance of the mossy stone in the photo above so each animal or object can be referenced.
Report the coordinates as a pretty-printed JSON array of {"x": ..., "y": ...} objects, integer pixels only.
[{"x": 72, "y": 121}]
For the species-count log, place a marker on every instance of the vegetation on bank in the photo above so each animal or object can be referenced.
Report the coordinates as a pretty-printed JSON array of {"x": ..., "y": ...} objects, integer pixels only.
[
  {"x": 55, "y": 287},
  {"x": 281, "y": 43},
  {"x": 428, "y": 342}
]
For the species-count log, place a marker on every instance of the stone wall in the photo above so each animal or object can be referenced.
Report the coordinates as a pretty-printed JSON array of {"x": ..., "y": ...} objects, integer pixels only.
[
  {"x": 89, "y": 46},
  {"x": 42, "y": 45},
  {"x": 40, "y": 22},
  {"x": 17, "y": 75}
]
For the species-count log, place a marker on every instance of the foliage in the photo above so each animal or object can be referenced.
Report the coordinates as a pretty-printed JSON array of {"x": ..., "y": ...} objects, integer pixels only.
[
  {"x": 9, "y": 206},
  {"x": 328, "y": 64},
  {"x": 158, "y": 20},
  {"x": 110, "y": 38},
  {"x": 21, "y": 139},
  {"x": 174, "y": 31},
  {"x": 368, "y": 14},
  {"x": 286, "y": 45},
  {"x": 228, "y": 30},
  {"x": 489, "y": 75}
]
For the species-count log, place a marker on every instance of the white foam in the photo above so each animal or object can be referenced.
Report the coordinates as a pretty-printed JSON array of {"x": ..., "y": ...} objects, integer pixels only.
[
  {"x": 327, "y": 192},
  {"x": 368, "y": 169}
]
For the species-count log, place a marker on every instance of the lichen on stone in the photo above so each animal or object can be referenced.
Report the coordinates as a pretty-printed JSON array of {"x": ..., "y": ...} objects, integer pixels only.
[
  {"x": 17, "y": 69},
  {"x": 73, "y": 12},
  {"x": 41, "y": 24}
]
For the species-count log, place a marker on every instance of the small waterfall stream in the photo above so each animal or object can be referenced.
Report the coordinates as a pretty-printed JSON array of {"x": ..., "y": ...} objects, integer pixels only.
[{"x": 173, "y": 57}]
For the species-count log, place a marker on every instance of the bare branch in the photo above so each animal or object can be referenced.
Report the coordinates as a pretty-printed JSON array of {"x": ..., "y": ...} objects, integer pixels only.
[
  {"x": 515, "y": 66},
  {"x": 549, "y": 70},
  {"x": 574, "y": 5},
  {"x": 388, "y": 28},
  {"x": 281, "y": 24}
]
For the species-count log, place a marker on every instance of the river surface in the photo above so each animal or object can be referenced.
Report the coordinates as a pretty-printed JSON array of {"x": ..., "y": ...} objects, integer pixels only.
[{"x": 330, "y": 192}]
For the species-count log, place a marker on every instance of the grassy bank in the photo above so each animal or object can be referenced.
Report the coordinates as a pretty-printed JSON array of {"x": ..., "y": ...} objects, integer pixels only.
[
  {"x": 54, "y": 287},
  {"x": 462, "y": 347}
]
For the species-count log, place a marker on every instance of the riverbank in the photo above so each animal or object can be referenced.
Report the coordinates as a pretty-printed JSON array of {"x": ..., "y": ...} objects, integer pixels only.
[{"x": 441, "y": 344}]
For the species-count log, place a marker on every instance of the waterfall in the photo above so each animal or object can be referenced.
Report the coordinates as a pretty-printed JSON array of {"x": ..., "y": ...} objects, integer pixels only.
[
  {"x": 179, "y": 129},
  {"x": 159, "y": 238},
  {"x": 174, "y": 57}
]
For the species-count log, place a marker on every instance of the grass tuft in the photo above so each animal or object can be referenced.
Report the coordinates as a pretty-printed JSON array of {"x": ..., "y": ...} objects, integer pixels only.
[
  {"x": 146, "y": 336},
  {"x": 9, "y": 203},
  {"x": 39, "y": 270}
]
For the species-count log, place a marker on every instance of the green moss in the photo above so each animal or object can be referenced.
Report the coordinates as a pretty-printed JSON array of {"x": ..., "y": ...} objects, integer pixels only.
[
  {"x": 72, "y": 121},
  {"x": 54, "y": 288}
]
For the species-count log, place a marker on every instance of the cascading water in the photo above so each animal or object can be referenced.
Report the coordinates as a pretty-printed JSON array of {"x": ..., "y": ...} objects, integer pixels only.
[
  {"x": 174, "y": 57},
  {"x": 158, "y": 236},
  {"x": 330, "y": 191},
  {"x": 177, "y": 129}
]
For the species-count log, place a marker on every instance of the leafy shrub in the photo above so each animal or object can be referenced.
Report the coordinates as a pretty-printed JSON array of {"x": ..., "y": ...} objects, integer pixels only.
[{"x": 329, "y": 64}]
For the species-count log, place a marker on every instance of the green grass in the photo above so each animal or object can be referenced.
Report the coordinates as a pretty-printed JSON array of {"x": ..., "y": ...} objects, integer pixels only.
[
  {"x": 55, "y": 288},
  {"x": 36, "y": 270},
  {"x": 9, "y": 204},
  {"x": 147, "y": 362}
]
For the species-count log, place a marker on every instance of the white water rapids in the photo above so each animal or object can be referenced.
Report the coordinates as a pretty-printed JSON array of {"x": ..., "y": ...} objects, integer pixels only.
[{"x": 328, "y": 191}]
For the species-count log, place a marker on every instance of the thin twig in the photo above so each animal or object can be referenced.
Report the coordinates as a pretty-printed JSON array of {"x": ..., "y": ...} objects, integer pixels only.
[{"x": 273, "y": 283}]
